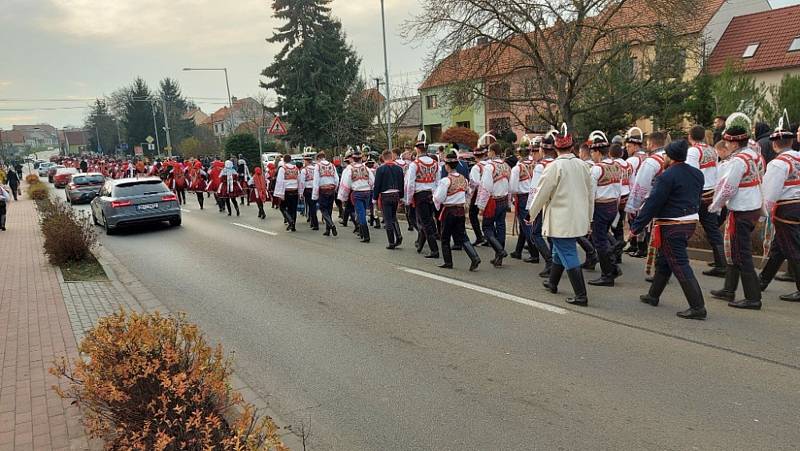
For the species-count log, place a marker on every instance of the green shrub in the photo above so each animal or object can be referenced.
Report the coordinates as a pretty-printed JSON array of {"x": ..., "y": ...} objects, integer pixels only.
[{"x": 38, "y": 191}]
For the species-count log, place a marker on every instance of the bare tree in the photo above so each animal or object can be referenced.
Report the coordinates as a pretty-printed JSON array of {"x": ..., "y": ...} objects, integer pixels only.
[{"x": 537, "y": 57}]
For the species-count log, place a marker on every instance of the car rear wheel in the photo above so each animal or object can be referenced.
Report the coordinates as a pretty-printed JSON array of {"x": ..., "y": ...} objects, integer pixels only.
[
  {"x": 109, "y": 230},
  {"x": 175, "y": 222},
  {"x": 94, "y": 219}
]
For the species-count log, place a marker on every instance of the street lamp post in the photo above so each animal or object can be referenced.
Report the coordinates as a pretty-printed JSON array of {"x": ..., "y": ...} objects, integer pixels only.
[
  {"x": 66, "y": 142},
  {"x": 386, "y": 68},
  {"x": 227, "y": 87},
  {"x": 155, "y": 127}
]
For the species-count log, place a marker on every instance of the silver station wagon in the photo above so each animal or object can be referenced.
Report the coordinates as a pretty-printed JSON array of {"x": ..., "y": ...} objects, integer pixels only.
[{"x": 129, "y": 202}]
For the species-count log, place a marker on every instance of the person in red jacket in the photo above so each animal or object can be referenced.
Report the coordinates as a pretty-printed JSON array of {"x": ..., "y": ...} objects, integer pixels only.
[{"x": 258, "y": 191}]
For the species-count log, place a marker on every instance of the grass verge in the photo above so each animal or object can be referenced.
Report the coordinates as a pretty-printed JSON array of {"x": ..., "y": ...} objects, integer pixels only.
[{"x": 87, "y": 270}]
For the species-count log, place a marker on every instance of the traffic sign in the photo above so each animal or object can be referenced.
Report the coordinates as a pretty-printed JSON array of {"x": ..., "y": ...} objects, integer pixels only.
[
  {"x": 138, "y": 151},
  {"x": 277, "y": 127},
  {"x": 149, "y": 140},
  {"x": 151, "y": 147}
]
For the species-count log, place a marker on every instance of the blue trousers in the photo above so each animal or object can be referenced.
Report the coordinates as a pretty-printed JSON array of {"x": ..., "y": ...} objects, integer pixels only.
[
  {"x": 565, "y": 252},
  {"x": 711, "y": 223},
  {"x": 362, "y": 201},
  {"x": 604, "y": 214},
  {"x": 495, "y": 226},
  {"x": 672, "y": 257}
]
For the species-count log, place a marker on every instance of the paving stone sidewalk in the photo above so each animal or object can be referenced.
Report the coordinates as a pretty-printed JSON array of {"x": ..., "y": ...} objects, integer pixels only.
[{"x": 35, "y": 330}]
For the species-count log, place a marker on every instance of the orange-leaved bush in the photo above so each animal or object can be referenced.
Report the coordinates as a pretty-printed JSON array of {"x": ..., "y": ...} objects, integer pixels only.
[
  {"x": 461, "y": 135},
  {"x": 151, "y": 382},
  {"x": 31, "y": 179}
]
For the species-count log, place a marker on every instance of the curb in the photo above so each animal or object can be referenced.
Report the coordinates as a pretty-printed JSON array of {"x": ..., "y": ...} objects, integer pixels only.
[{"x": 129, "y": 285}]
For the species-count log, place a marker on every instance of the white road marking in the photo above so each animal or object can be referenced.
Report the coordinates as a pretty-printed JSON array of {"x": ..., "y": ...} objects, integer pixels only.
[
  {"x": 489, "y": 291},
  {"x": 255, "y": 229},
  {"x": 185, "y": 210}
]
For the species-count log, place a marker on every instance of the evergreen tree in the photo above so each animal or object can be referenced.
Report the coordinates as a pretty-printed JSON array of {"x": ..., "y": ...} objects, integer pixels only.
[
  {"x": 700, "y": 104},
  {"x": 101, "y": 124},
  {"x": 244, "y": 144},
  {"x": 138, "y": 115},
  {"x": 314, "y": 72},
  {"x": 177, "y": 106}
]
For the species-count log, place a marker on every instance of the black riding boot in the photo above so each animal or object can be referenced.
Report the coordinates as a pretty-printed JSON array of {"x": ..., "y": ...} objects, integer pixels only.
[
  {"x": 794, "y": 297},
  {"x": 474, "y": 259},
  {"x": 752, "y": 292},
  {"x": 656, "y": 288},
  {"x": 578, "y": 286},
  {"x": 544, "y": 251},
  {"x": 390, "y": 238},
  {"x": 499, "y": 252},
  {"x": 556, "y": 270},
  {"x": 364, "y": 233},
  {"x": 591, "y": 253},
  {"x": 398, "y": 236},
  {"x": 728, "y": 292},
  {"x": 608, "y": 269},
  {"x": 694, "y": 295},
  {"x": 447, "y": 255},
  {"x": 434, "y": 247},
  {"x": 768, "y": 273},
  {"x": 718, "y": 270}
]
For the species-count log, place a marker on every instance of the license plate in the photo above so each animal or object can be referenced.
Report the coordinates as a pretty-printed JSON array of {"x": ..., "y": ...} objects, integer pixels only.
[{"x": 147, "y": 207}]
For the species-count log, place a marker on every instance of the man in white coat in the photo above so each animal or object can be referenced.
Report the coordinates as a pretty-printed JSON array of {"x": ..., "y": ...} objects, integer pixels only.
[{"x": 564, "y": 193}]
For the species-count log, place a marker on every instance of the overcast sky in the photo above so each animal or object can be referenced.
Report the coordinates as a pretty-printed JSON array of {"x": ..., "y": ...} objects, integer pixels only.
[{"x": 77, "y": 49}]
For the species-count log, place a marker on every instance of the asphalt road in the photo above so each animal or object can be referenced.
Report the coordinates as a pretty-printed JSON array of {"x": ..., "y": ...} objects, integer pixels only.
[{"x": 371, "y": 351}]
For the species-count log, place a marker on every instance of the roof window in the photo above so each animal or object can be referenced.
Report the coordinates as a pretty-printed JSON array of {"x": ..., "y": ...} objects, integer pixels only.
[
  {"x": 750, "y": 50},
  {"x": 795, "y": 45}
]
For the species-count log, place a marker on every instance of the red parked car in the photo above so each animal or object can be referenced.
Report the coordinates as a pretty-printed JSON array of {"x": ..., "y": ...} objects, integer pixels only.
[{"x": 61, "y": 179}]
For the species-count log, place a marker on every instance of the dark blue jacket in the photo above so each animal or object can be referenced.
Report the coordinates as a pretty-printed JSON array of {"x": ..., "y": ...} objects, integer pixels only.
[
  {"x": 462, "y": 168},
  {"x": 388, "y": 176},
  {"x": 677, "y": 193}
]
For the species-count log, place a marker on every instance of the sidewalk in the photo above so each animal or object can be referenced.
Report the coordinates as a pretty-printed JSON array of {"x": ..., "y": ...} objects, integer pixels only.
[{"x": 35, "y": 331}]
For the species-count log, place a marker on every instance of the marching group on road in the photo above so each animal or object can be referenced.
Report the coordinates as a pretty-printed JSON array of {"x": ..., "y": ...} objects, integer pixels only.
[{"x": 564, "y": 194}]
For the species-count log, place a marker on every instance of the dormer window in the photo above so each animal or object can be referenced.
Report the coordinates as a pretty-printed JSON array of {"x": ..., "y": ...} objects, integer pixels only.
[
  {"x": 750, "y": 50},
  {"x": 795, "y": 45}
]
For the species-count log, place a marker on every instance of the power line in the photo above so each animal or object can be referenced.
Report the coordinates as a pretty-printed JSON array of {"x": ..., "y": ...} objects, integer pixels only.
[{"x": 47, "y": 108}]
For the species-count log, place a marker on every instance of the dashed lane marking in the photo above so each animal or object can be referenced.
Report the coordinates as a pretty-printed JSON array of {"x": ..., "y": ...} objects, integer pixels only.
[
  {"x": 255, "y": 229},
  {"x": 489, "y": 291}
]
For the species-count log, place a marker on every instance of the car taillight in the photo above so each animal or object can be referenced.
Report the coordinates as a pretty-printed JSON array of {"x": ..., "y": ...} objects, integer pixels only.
[
  {"x": 169, "y": 197},
  {"x": 72, "y": 186},
  {"x": 121, "y": 203}
]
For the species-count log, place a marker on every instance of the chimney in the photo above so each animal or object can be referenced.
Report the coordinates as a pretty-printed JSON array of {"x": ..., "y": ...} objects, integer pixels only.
[
  {"x": 483, "y": 40},
  {"x": 233, "y": 99}
]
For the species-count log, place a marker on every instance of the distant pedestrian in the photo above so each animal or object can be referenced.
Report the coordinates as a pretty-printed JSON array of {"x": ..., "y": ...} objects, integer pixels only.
[
  {"x": 13, "y": 183},
  {"x": 3, "y": 207}
]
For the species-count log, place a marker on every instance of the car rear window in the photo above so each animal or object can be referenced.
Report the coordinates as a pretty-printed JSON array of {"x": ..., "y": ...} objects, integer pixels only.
[
  {"x": 88, "y": 180},
  {"x": 143, "y": 188},
  {"x": 66, "y": 171}
]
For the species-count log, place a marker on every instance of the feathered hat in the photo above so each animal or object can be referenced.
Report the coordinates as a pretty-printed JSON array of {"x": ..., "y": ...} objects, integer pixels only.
[
  {"x": 737, "y": 128},
  {"x": 537, "y": 142},
  {"x": 549, "y": 140},
  {"x": 486, "y": 140},
  {"x": 598, "y": 140},
  {"x": 451, "y": 157},
  {"x": 781, "y": 132},
  {"x": 422, "y": 139},
  {"x": 356, "y": 152},
  {"x": 525, "y": 141},
  {"x": 563, "y": 138},
  {"x": 632, "y": 138}
]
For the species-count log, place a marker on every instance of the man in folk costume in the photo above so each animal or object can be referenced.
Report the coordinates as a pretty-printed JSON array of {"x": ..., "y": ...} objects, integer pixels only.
[
  {"x": 634, "y": 140},
  {"x": 673, "y": 206},
  {"x": 214, "y": 180},
  {"x": 520, "y": 187},
  {"x": 307, "y": 179},
  {"x": 258, "y": 191},
  {"x": 405, "y": 160},
  {"x": 349, "y": 208},
  {"x": 421, "y": 180},
  {"x": 606, "y": 191},
  {"x": 646, "y": 173},
  {"x": 287, "y": 188},
  {"x": 704, "y": 157},
  {"x": 356, "y": 184},
  {"x": 386, "y": 192},
  {"x": 326, "y": 179},
  {"x": 475, "y": 175},
  {"x": 493, "y": 198},
  {"x": 626, "y": 173},
  {"x": 451, "y": 198},
  {"x": 564, "y": 195},
  {"x": 229, "y": 188},
  {"x": 781, "y": 188},
  {"x": 548, "y": 155},
  {"x": 198, "y": 180},
  {"x": 370, "y": 163},
  {"x": 739, "y": 189}
]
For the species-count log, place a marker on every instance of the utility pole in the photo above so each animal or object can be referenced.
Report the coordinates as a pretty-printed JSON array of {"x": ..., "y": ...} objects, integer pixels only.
[
  {"x": 386, "y": 68},
  {"x": 97, "y": 133},
  {"x": 155, "y": 127},
  {"x": 166, "y": 126}
]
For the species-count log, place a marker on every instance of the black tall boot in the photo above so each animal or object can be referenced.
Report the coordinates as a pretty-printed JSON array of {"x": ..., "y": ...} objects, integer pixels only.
[
  {"x": 578, "y": 286},
  {"x": 752, "y": 292},
  {"x": 728, "y": 292},
  {"x": 718, "y": 270},
  {"x": 474, "y": 259},
  {"x": 434, "y": 247},
  {"x": 420, "y": 243},
  {"x": 517, "y": 254},
  {"x": 591, "y": 253},
  {"x": 533, "y": 250},
  {"x": 694, "y": 295},
  {"x": 641, "y": 249},
  {"x": 544, "y": 251},
  {"x": 553, "y": 278},
  {"x": 608, "y": 270},
  {"x": 447, "y": 255},
  {"x": 787, "y": 276},
  {"x": 499, "y": 252},
  {"x": 364, "y": 233},
  {"x": 768, "y": 273},
  {"x": 390, "y": 238},
  {"x": 398, "y": 236},
  {"x": 657, "y": 286},
  {"x": 794, "y": 297},
  {"x": 618, "y": 248}
]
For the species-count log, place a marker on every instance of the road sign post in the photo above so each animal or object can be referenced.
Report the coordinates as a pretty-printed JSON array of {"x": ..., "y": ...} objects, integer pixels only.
[{"x": 277, "y": 127}]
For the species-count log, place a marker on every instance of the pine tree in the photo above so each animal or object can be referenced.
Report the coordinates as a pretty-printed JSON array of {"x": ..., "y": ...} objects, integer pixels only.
[
  {"x": 177, "y": 105},
  {"x": 138, "y": 116},
  {"x": 101, "y": 124},
  {"x": 314, "y": 71}
]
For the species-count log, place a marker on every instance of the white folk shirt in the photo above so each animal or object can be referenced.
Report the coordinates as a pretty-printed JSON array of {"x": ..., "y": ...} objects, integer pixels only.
[
  {"x": 646, "y": 174},
  {"x": 636, "y": 161},
  {"x": 325, "y": 175},
  {"x": 537, "y": 175},
  {"x": 423, "y": 175},
  {"x": 355, "y": 177},
  {"x": 606, "y": 180},
  {"x": 522, "y": 176},
  {"x": 445, "y": 196},
  {"x": 704, "y": 157},
  {"x": 288, "y": 180},
  {"x": 307, "y": 177},
  {"x": 494, "y": 182},
  {"x": 626, "y": 178},
  {"x": 782, "y": 180},
  {"x": 475, "y": 175},
  {"x": 738, "y": 186}
]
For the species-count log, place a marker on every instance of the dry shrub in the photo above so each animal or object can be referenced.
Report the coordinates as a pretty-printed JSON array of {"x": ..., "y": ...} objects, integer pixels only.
[
  {"x": 68, "y": 235},
  {"x": 151, "y": 382},
  {"x": 38, "y": 191},
  {"x": 461, "y": 135},
  {"x": 32, "y": 179}
]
